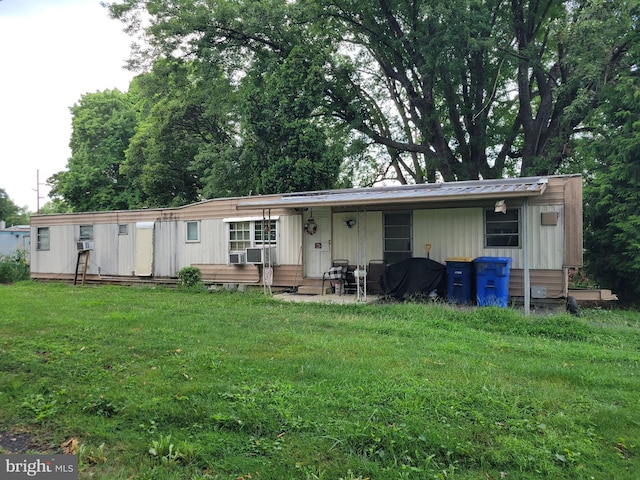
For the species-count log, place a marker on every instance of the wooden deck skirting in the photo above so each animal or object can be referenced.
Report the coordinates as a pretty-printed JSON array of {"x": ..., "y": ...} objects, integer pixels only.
[{"x": 285, "y": 276}]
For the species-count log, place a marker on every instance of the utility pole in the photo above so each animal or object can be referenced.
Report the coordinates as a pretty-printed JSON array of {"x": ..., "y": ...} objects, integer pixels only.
[{"x": 38, "y": 197}]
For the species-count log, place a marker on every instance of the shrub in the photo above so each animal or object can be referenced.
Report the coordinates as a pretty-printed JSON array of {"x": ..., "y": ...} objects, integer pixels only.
[
  {"x": 190, "y": 277},
  {"x": 14, "y": 267}
]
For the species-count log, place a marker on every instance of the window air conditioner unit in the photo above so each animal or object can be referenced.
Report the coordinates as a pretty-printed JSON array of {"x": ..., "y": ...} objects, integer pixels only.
[
  {"x": 84, "y": 245},
  {"x": 260, "y": 255},
  {"x": 237, "y": 258}
]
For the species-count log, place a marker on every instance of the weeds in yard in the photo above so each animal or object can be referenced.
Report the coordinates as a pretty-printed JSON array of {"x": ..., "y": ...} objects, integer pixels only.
[
  {"x": 179, "y": 385},
  {"x": 41, "y": 406},
  {"x": 14, "y": 267},
  {"x": 102, "y": 407},
  {"x": 166, "y": 452},
  {"x": 89, "y": 456}
]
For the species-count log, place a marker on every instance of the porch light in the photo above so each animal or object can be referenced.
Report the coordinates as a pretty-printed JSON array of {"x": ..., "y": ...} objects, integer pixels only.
[{"x": 350, "y": 223}]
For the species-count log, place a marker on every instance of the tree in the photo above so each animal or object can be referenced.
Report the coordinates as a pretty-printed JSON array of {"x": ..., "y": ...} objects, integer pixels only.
[
  {"x": 10, "y": 213},
  {"x": 184, "y": 110},
  {"x": 103, "y": 123},
  {"x": 612, "y": 191},
  {"x": 54, "y": 206},
  {"x": 286, "y": 139},
  {"x": 456, "y": 89}
]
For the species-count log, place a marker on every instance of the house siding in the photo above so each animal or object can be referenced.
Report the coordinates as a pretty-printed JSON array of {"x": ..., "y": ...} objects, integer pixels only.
[
  {"x": 364, "y": 240},
  {"x": 454, "y": 229}
]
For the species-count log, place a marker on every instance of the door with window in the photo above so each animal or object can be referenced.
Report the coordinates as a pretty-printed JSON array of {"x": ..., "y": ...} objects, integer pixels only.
[{"x": 317, "y": 241}]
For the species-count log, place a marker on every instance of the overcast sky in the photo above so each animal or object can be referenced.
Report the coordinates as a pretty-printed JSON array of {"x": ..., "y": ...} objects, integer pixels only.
[{"x": 51, "y": 53}]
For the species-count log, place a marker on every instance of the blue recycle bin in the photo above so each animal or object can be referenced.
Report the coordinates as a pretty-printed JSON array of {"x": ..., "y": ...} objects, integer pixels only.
[
  {"x": 459, "y": 280},
  {"x": 492, "y": 281}
]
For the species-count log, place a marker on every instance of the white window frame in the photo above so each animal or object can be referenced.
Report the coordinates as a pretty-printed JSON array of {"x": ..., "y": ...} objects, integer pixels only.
[
  {"x": 43, "y": 233},
  {"x": 187, "y": 231},
  {"x": 123, "y": 229},
  {"x": 494, "y": 236},
  {"x": 260, "y": 237},
  {"x": 253, "y": 235},
  {"x": 239, "y": 236},
  {"x": 85, "y": 232}
]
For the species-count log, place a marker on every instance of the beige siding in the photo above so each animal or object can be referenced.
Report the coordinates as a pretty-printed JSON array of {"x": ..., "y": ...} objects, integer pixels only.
[
  {"x": 459, "y": 232},
  {"x": 124, "y": 251},
  {"x": 452, "y": 232},
  {"x": 546, "y": 242},
  {"x": 552, "y": 280},
  {"x": 573, "y": 227},
  {"x": 113, "y": 254},
  {"x": 452, "y": 229},
  {"x": 289, "y": 240},
  {"x": 61, "y": 256},
  {"x": 363, "y": 239},
  {"x": 166, "y": 254},
  {"x": 110, "y": 247},
  {"x": 249, "y": 274}
]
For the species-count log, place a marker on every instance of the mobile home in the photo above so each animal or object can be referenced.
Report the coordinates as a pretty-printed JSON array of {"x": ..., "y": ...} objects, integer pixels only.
[
  {"x": 292, "y": 239},
  {"x": 14, "y": 239}
]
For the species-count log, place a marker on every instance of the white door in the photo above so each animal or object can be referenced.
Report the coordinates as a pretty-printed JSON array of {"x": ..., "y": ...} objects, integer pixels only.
[
  {"x": 144, "y": 249},
  {"x": 317, "y": 241}
]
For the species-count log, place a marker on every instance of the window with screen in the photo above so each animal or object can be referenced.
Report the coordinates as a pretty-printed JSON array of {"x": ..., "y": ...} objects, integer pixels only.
[
  {"x": 86, "y": 232},
  {"x": 502, "y": 229},
  {"x": 43, "y": 240}
]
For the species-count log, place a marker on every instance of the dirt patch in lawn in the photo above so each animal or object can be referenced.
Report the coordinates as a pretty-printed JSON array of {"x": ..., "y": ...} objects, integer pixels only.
[{"x": 24, "y": 441}]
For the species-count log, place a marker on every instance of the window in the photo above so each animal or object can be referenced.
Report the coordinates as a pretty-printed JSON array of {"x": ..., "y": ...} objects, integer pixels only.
[
  {"x": 123, "y": 229},
  {"x": 502, "y": 229},
  {"x": 193, "y": 231},
  {"x": 264, "y": 231},
  {"x": 397, "y": 236},
  {"x": 252, "y": 233},
  {"x": 43, "y": 238},
  {"x": 239, "y": 236},
  {"x": 86, "y": 232}
]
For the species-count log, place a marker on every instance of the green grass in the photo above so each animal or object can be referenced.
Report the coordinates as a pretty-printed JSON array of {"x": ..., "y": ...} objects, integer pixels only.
[{"x": 164, "y": 384}]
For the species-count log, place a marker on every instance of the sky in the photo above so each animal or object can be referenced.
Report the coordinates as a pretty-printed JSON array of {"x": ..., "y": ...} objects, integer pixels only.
[{"x": 51, "y": 53}]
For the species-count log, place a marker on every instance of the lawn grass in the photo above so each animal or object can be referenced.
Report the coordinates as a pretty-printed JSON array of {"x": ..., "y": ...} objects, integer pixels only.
[{"x": 164, "y": 384}]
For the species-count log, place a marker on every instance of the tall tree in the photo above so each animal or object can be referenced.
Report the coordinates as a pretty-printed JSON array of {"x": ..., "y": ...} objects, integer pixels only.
[
  {"x": 102, "y": 125},
  {"x": 286, "y": 137},
  {"x": 10, "y": 213},
  {"x": 183, "y": 110},
  {"x": 612, "y": 192},
  {"x": 452, "y": 88}
]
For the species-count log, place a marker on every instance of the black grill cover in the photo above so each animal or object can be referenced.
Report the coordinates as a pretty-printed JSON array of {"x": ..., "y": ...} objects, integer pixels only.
[{"x": 414, "y": 277}]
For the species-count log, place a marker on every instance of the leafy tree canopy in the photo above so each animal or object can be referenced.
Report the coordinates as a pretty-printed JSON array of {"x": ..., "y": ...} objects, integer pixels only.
[
  {"x": 612, "y": 192},
  {"x": 456, "y": 88},
  {"x": 10, "y": 212},
  {"x": 103, "y": 124}
]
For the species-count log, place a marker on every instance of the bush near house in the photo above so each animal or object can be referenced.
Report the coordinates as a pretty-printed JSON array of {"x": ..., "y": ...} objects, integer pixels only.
[
  {"x": 14, "y": 267},
  {"x": 190, "y": 277}
]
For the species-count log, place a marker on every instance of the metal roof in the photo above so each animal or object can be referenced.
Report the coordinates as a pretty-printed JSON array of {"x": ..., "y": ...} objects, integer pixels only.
[{"x": 427, "y": 192}]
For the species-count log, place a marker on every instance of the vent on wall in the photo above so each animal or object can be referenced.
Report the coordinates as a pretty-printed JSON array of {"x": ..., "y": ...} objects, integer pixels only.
[
  {"x": 237, "y": 258},
  {"x": 549, "y": 218}
]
